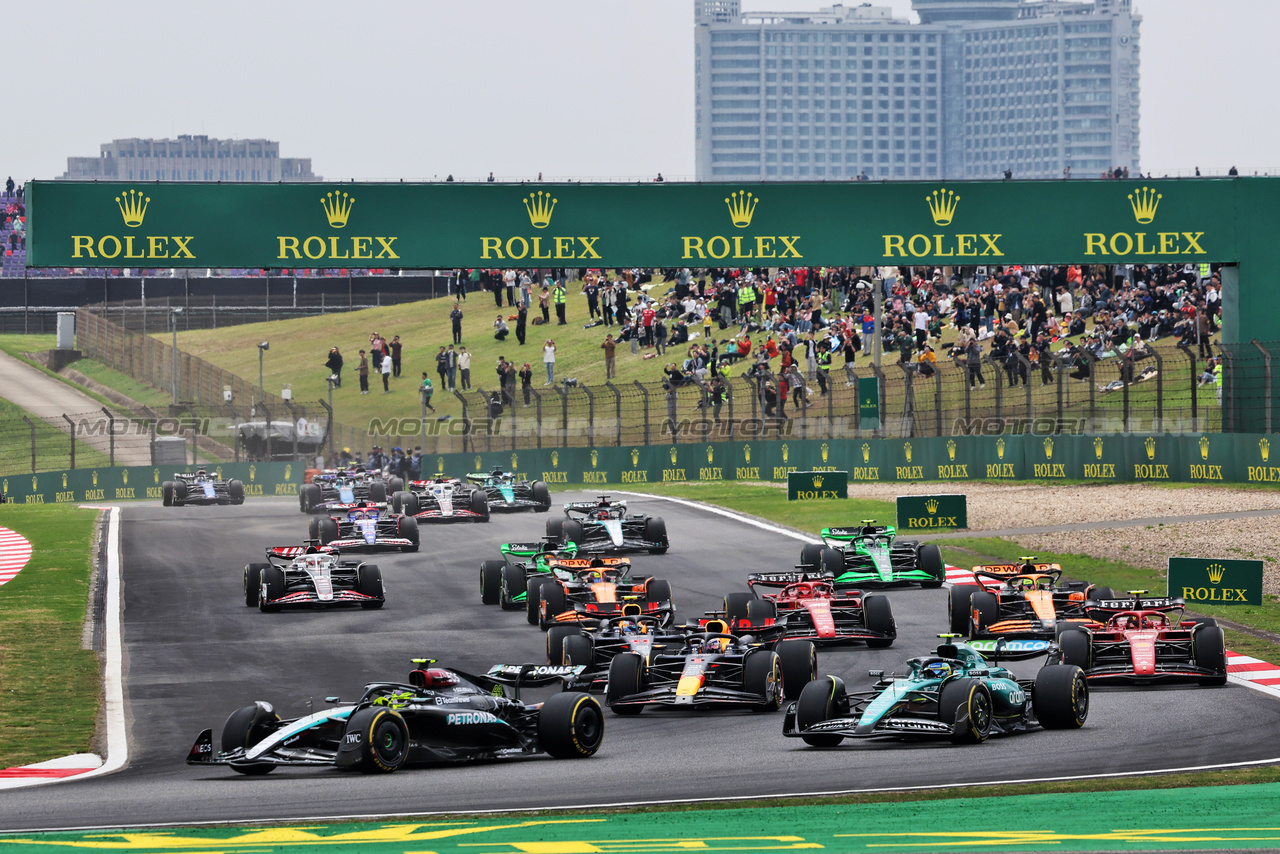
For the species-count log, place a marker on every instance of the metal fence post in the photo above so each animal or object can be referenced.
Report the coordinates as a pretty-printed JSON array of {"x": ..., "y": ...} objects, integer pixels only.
[
  {"x": 1266, "y": 373},
  {"x": 728, "y": 396},
  {"x": 537, "y": 396},
  {"x": 111, "y": 435},
  {"x": 1195, "y": 390},
  {"x": 72, "y": 425},
  {"x": 644, "y": 391},
  {"x": 1159, "y": 390},
  {"x": 617, "y": 400},
  {"x": 883, "y": 395},
  {"x": 466, "y": 421},
  {"x": 564, "y": 415},
  {"x": 294, "y": 415},
  {"x": 937, "y": 399},
  {"x": 591, "y": 415},
  {"x": 1062, "y": 373},
  {"x": 32, "y": 425},
  {"x": 831, "y": 409}
]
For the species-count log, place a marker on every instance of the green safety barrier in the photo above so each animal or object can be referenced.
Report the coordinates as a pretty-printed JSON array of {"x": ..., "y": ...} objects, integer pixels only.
[{"x": 132, "y": 482}]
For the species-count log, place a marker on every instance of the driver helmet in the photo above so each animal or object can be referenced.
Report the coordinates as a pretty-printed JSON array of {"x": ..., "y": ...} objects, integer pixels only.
[
  {"x": 869, "y": 530},
  {"x": 1123, "y": 623},
  {"x": 937, "y": 670},
  {"x": 631, "y": 627},
  {"x": 438, "y": 677},
  {"x": 201, "y": 473}
]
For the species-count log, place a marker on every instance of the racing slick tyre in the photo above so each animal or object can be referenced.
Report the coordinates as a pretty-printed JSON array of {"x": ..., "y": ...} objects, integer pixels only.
[
  {"x": 397, "y": 501},
  {"x": 326, "y": 530},
  {"x": 578, "y": 650},
  {"x": 166, "y": 493},
  {"x": 1100, "y": 593},
  {"x": 985, "y": 611},
  {"x": 309, "y": 496},
  {"x": 759, "y": 610},
  {"x": 573, "y": 532},
  {"x": 480, "y": 505},
  {"x": 407, "y": 527},
  {"x": 970, "y": 699},
  {"x": 542, "y": 495},
  {"x": 571, "y": 725},
  {"x": 513, "y": 584},
  {"x": 655, "y": 531},
  {"x": 235, "y": 491},
  {"x": 179, "y": 491},
  {"x": 384, "y": 739},
  {"x": 735, "y": 605},
  {"x": 395, "y": 484},
  {"x": 252, "y": 583},
  {"x": 811, "y": 555},
  {"x": 626, "y": 677},
  {"x": 369, "y": 582},
  {"x": 405, "y": 502},
  {"x": 831, "y": 562},
  {"x": 491, "y": 581},
  {"x": 245, "y": 727},
  {"x": 960, "y": 609},
  {"x": 1060, "y": 697},
  {"x": 377, "y": 492},
  {"x": 533, "y": 598},
  {"x": 1206, "y": 621},
  {"x": 929, "y": 559},
  {"x": 313, "y": 529},
  {"x": 555, "y": 642},
  {"x": 555, "y": 530},
  {"x": 553, "y": 603},
  {"x": 271, "y": 585},
  {"x": 821, "y": 700},
  {"x": 877, "y": 615},
  {"x": 658, "y": 590},
  {"x": 798, "y": 660},
  {"x": 762, "y": 674},
  {"x": 1209, "y": 651},
  {"x": 1076, "y": 648}
]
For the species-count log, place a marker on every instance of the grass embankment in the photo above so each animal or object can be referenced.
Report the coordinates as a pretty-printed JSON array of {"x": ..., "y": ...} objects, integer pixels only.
[{"x": 49, "y": 687}]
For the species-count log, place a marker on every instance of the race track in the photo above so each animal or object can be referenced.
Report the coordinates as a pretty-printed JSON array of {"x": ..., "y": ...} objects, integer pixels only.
[{"x": 194, "y": 653}]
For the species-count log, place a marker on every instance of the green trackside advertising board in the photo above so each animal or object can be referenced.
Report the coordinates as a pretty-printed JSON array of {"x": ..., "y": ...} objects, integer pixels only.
[
  {"x": 926, "y": 512},
  {"x": 869, "y": 403},
  {"x": 133, "y": 482},
  {"x": 1213, "y": 581},
  {"x": 817, "y": 485}
]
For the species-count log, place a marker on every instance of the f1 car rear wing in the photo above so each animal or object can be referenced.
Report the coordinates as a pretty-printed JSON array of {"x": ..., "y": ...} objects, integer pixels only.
[
  {"x": 1101, "y": 609},
  {"x": 781, "y": 579},
  {"x": 544, "y": 546},
  {"x": 860, "y": 531},
  {"x": 297, "y": 551},
  {"x": 995, "y": 569},
  {"x": 586, "y": 506},
  {"x": 533, "y": 675}
]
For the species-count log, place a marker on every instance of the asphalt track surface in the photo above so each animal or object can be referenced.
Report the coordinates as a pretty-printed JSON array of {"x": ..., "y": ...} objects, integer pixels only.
[{"x": 194, "y": 653}]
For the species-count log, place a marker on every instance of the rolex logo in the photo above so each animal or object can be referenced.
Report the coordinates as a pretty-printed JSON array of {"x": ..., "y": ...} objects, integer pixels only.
[
  {"x": 931, "y": 505},
  {"x": 155, "y": 475},
  {"x": 124, "y": 473},
  {"x": 1144, "y": 202},
  {"x": 540, "y": 206},
  {"x": 826, "y": 449},
  {"x": 635, "y": 457},
  {"x": 1000, "y": 448},
  {"x": 555, "y": 459},
  {"x": 866, "y": 452},
  {"x": 742, "y": 206},
  {"x": 595, "y": 458},
  {"x": 1150, "y": 445},
  {"x": 1097, "y": 447},
  {"x": 1204, "y": 447},
  {"x": 439, "y": 465},
  {"x": 746, "y": 452},
  {"x": 906, "y": 449},
  {"x": 515, "y": 462},
  {"x": 673, "y": 455},
  {"x": 786, "y": 453},
  {"x": 478, "y": 461},
  {"x": 1048, "y": 449},
  {"x": 288, "y": 473},
  {"x": 33, "y": 484},
  {"x": 711, "y": 453},
  {"x": 337, "y": 207},
  {"x": 1216, "y": 571},
  {"x": 133, "y": 207},
  {"x": 942, "y": 205},
  {"x": 817, "y": 482},
  {"x": 64, "y": 479},
  {"x": 951, "y": 451},
  {"x": 1264, "y": 448},
  {"x": 253, "y": 473}
]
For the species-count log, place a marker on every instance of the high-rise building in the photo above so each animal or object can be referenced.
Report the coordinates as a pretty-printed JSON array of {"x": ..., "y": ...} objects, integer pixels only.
[
  {"x": 975, "y": 88},
  {"x": 190, "y": 158}
]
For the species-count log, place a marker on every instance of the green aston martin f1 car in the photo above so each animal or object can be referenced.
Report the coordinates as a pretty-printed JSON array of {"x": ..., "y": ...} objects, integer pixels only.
[{"x": 870, "y": 555}]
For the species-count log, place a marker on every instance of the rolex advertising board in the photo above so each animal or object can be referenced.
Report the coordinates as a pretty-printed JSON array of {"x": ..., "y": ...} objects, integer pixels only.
[
  {"x": 817, "y": 485},
  {"x": 1218, "y": 582},
  {"x": 932, "y": 512}
]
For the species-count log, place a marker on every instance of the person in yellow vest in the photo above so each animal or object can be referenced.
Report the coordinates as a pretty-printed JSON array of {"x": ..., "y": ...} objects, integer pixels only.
[
  {"x": 558, "y": 296},
  {"x": 746, "y": 302},
  {"x": 1217, "y": 379},
  {"x": 824, "y": 365}
]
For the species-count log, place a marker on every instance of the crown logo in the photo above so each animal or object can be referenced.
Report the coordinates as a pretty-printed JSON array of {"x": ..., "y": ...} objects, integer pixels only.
[
  {"x": 539, "y": 205},
  {"x": 635, "y": 457},
  {"x": 1264, "y": 448},
  {"x": 555, "y": 459},
  {"x": 673, "y": 455},
  {"x": 155, "y": 475},
  {"x": 133, "y": 207},
  {"x": 942, "y": 204},
  {"x": 742, "y": 206},
  {"x": 1216, "y": 571},
  {"x": 817, "y": 481},
  {"x": 478, "y": 461},
  {"x": 1000, "y": 448},
  {"x": 711, "y": 453},
  {"x": 866, "y": 452},
  {"x": 595, "y": 458},
  {"x": 6, "y": 486},
  {"x": 1144, "y": 202},
  {"x": 253, "y": 473},
  {"x": 906, "y": 449},
  {"x": 64, "y": 479},
  {"x": 1204, "y": 447},
  {"x": 515, "y": 462},
  {"x": 1150, "y": 445},
  {"x": 746, "y": 452},
  {"x": 931, "y": 505},
  {"x": 440, "y": 465},
  {"x": 826, "y": 449},
  {"x": 337, "y": 207},
  {"x": 951, "y": 450},
  {"x": 1097, "y": 447},
  {"x": 786, "y": 453},
  {"x": 1048, "y": 449},
  {"x": 33, "y": 484}
]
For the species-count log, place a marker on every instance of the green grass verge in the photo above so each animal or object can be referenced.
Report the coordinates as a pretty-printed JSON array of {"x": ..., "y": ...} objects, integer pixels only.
[
  {"x": 51, "y": 687},
  {"x": 136, "y": 390}
]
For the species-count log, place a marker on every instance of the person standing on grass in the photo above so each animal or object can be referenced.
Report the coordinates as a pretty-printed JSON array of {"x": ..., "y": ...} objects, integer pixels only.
[
  {"x": 610, "y": 347},
  {"x": 451, "y": 366},
  {"x": 426, "y": 390},
  {"x": 363, "y": 371},
  {"x": 396, "y": 346},
  {"x": 386, "y": 375},
  {"x": 334, "y": 364},
  {"x": 464, "y": 365},
  {"x": 456, "y": 317},
  {"x": 544, "y": 303},
  {"x": 442, "y": 367},
  {"x": 558, "y": 296},
  {"x": 526, "y": 383},
  {"x": 549, "y": 360},
  {"x": 522, "y": 316}
]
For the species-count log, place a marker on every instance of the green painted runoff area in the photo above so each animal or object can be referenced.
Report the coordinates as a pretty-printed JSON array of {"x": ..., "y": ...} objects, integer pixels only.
[{"x": 1230, "y": 817}]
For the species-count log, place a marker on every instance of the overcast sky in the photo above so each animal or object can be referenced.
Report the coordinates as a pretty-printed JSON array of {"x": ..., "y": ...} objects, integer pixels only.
[{"x": 568, "y": 88}]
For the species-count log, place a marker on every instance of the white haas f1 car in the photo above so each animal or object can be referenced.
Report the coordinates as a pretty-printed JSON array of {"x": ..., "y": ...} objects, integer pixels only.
[
  {"x": 367, "y": 527},
  {"x": 604, "y": 527},
  {"x": 200, "y": 488},
  {"x": 506, "y": 494},
  {"x": 310, "y": 575},
  {"x": 443, "y": 499}
]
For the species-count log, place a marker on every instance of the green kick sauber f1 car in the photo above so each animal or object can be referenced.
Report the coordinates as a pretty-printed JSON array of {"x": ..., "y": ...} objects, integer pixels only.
[
  {"x": 505, "y": 582},
  {"x": 870, "y": 555}
]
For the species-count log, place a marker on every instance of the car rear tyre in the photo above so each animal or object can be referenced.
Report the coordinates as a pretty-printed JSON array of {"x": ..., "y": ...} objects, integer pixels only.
[
  {"x": 555, "y": 530},
  {"x": 513, "y": 584},
  {"x": 271, "y": 585},
  {"x": 735, "y": 605},
  {"x": 573, "y": 532},
  {"x": 309, "y": 497},
  {"x": 245, "y": 727},
  {"x": 326, "y": 530},
  {"x": 369, "y": 582},
  {"x": 553, "y": 604},
  {"x": 985, "y": 611},
  {"x": 1210, "y": 652},
  {"x": 1077, "y": 648},
  {"x": 384, "y": 739},
  {"x": 626, "y": 677},
  {"x": 929, "y": 559},
  {"x": 811, "y": 555},
  {"x": 533, "y": 599},
  {"x": 655, "y": 531},
  {"x": 1060, "y": 697},
  {"x": 968, "y": 699},
  {"x": 235, "y": 491},
  {"x": 658, "y": 591},
  {"x": 759, "y": 610},
  {"x": 541, "y": 495},
  {"x": 491, "y": 581},
  {"x": 1101, "y": 593},
  {"x": 480, "y": 505},
  {"x": 799, "y": 662},
  {"x": 407, "y": 527},
  {"x": 578, "y": 650},
  {"x": 395, "y": 484},
  {"x": 832, "y": 562},
  {"x": 166, "y": 493},
  {"x": 571, "y": 725},
  {"x": 877, "y": 614},
  {"x": 821, "y": 700},
  {"x": 1206, "y": 621},
  {"x": 761, "y": 674},
  {"x": 253, "y": 583},
  {"x": 179, "y": 491},
  {"x": 555, "y": 642},
  {"x": 377, "y": 492},
  {"x": 960, "y": 607}
]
